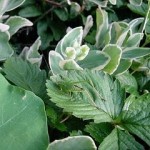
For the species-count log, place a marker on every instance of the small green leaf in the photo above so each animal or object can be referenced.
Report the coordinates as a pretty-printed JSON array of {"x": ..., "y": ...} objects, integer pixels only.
[
  {"x": 101, "y": 3},
  {"x": 120, "y": 140},
  {"x": 75, "y": 142},
  {"x": 136, "y": 2},
  {"x": 6, "y": 50},
  {"x": 16, "y": 22},
  {"x": 8, "y": 5},
  {"x": 23, "y": 121},
  {"x": 62, "y": 13},
  {"x": 30, "y": 11},
  {"x": 96, "y": 60},
  {"x": 135, "y": 52},
  {"x": 114, "y": 52}
]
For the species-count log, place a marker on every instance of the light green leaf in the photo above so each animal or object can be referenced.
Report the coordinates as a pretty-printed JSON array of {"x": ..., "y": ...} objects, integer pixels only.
[
  {"x": 135, "y": 52},
  {"x": 54, "y": 62},
  {"x": 26, "y": 75},
  {"x": 113, "y": 2},
  {"x": 101, "y": 3},
  {"x": 8, "y": 5},
  {"x": 114, "y": 52},
  {"x": 16, "y": 22},
  {"x": 6, "y": 50},
  {"x": 120, "y": 140},
  {"x": 102, "y": 27},
  {"x": 72, "y": 39},
  {"x": 124, "y": 65},
  {"x": 30, "y": 11},
  {"x": 134, "y": 40},
  {"x": 23, "y": 123},
  {"x": 87, "y": 94},
  {"x": 136, "y": 116},
  {"x": 75, "y": 142},
  {"x": 96, "y": 60}
]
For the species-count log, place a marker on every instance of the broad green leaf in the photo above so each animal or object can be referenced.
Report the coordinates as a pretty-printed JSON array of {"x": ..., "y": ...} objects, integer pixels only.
[
  {"x": 114, "y": 52},
  {"x": 72, "y": 39},
  {"x": 99, "y": 131},
  {"x": 96, "y": 60},
  {"x": 54, "y": 62},
  {"x": 128, "y": 82},
  {"x": 134, "y": 40},
  {"x": 26, "y": 75},
  {"x": 23, "y": 123},
  {"x": 124, "y": 65},
  {"x": 87, "y": 94},
  {"x": 16, "y": 22},
  {"x": 75, "y": 142},
  {"x": 3, "y": 27},
  {"x": 8, "y": 5},
  {"x": 30, "y": 11},
  {"x": 6, "y": 50},
  {"x": 136, "y": 116},
  {"x": 135, "y": 52},
  {"x": 136, "y": 2},
  {"x": 120, "y": 140}
]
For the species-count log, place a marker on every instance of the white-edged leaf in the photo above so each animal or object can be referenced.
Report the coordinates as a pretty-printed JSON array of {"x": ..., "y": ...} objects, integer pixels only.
[
  {"x": 6, "y": 50},
  {"x": 124, "y": 65},
  {"x": 17, "y": 22},
  {"x": 54, "y": 62},
  {"x": 72, "y": 39},
  {"x": 69, "y": 64},
  {"x": 136, "y": 2},
  {"x": 75, "y": 142},
  {"x": 120, "y": 140},
  {"x": 8, "y": 5},
  {"x": 135, "y": 52},
  {"x": 114, "y": 52},
  {"x": 113, "y": 2},
  {"x": 3, "y": 27},
  {"x": 95, "y": 59},
  {"x": 100, "y": 3}
]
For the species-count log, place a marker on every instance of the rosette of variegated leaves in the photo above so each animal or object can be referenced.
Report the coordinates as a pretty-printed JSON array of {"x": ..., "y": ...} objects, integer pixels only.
[{"x": 9, "y": 26}]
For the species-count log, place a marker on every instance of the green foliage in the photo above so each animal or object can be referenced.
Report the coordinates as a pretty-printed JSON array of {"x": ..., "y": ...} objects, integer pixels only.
[{"x": 23, "y": 119}]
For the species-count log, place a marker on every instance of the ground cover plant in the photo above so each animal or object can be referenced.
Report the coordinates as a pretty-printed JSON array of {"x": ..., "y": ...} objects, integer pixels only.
[{"x": 74, "y": 74}]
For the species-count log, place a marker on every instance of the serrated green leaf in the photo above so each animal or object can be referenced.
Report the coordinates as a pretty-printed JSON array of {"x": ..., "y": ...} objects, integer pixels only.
[
  {"x": 96, "y": 60},
  {"x": 25, "y": 75},
  {"x": 30, "y": 11},
  {"x": 87, "y": 94},
  {"x": 120, "y": 140},
  {"x": 114, "y": 52},
  {"x": 8, "y": 5},
  {"x": 128, "y": 82},
  {"x": 22, "y": 119},
  {"x": 75, "y": 142},
  {"x": 16, "y": 22},
  {"x": 99, "y": 131},
  {"x": 136, "y": 116},
  {"x": 6, "y": 50},
  {"x": 135, "y": 52}
]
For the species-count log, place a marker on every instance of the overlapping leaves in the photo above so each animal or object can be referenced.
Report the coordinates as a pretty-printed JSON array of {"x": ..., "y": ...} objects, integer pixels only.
[{"x": 95, "y": 95}]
